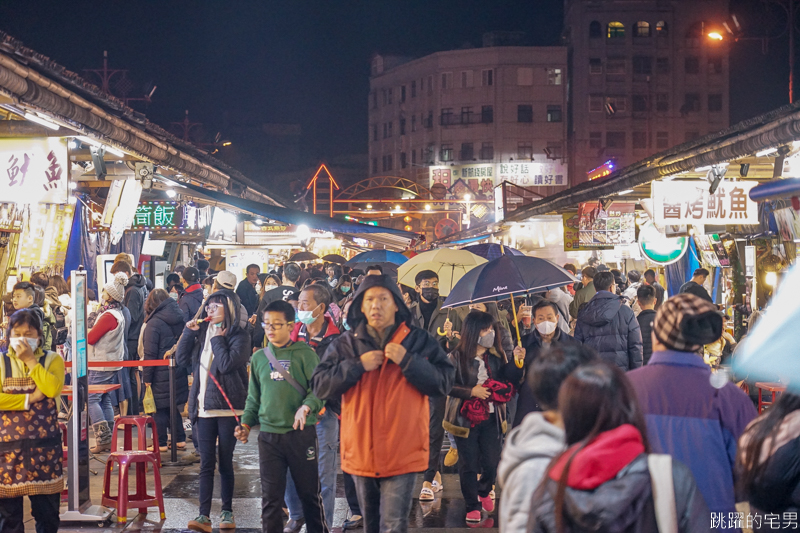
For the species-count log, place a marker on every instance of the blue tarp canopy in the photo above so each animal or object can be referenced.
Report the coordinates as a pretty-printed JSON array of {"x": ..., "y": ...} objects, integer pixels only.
[{"x": 381, "y": 235}]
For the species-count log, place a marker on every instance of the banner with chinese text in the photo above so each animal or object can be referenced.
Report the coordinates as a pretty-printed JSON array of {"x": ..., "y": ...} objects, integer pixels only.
[
  {"x": 452, "y": 182},
  {"x": 689, "y": 202},
  {"x": 34, "y": 170},
  {"x": 601, "y": 229}
]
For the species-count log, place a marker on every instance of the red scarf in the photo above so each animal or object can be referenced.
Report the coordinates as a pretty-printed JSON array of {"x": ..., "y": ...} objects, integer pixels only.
[{"x": 601, "y": 460}]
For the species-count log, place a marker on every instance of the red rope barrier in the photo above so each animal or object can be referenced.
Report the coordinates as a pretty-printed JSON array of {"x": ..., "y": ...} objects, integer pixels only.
[{"x": 115, "y": 364}]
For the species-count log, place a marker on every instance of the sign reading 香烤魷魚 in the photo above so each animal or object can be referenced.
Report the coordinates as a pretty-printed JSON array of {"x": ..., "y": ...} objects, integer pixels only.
[{"x": 689, "y": 202}]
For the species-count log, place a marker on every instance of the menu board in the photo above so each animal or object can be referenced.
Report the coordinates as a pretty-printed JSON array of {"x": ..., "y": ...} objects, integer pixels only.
[
  {"x": 604, "y": 228},
  {"x": 712, "y": 250}
]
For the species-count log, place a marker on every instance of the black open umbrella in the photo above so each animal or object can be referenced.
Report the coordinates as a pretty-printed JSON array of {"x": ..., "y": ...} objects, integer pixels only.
[
  {"x": 335, "y": 258},
  {"x": 304, "y": 256}
]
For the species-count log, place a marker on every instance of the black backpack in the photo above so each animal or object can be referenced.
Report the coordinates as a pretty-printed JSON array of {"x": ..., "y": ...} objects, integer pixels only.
[{"x": 60, "y": 329}]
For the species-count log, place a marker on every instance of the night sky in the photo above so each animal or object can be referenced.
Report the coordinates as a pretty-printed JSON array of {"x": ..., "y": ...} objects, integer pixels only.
[{"x": 307, "y": 62}]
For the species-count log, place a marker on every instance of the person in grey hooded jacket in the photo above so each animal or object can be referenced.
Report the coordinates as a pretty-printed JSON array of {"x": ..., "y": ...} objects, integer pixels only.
[
  {"x": 531, "y": 446},
  {"x": 609, "y": 326}
]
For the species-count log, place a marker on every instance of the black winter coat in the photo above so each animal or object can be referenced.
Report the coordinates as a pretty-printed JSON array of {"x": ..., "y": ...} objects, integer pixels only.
[
  {"x": 190, "y": 303},
  {"x": 777, "y": 489},
  {"x": 532, "y": 342},
  {"x": 135, "y": 296},
  {"x": 645, "y": 320},
  {"x": 231, "y": 355},
  {"x": 623, "y": 504},
  {"x": 610, "y": 327},
  {"x": 164, "y": 327}
]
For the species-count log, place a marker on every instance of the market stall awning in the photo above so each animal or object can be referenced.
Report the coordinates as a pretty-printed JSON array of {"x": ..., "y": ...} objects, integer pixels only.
[{"x": 376, "y": 234}]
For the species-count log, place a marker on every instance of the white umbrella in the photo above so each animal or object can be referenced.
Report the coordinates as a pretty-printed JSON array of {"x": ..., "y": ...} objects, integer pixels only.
[{"x": 449, "y": 264}]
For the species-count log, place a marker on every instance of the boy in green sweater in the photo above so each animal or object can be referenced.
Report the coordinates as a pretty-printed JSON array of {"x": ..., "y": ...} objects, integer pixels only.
[{"x": 287, "y": 438}]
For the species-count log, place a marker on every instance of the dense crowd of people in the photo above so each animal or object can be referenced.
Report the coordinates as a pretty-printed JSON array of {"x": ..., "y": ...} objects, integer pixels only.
[{"x": 602, "y": 416}]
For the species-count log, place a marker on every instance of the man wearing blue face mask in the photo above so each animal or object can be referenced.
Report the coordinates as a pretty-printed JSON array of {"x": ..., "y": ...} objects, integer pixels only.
[{"x": 316, "y": 328}]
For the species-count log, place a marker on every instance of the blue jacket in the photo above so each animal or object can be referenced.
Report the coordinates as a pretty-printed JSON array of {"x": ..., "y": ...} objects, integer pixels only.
[
  {"x": 694, "y": 422},
  {"x": 610, "y": 327}
]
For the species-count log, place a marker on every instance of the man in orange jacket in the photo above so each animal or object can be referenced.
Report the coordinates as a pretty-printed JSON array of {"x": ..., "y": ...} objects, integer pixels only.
[{"x": 384, "y": 369}]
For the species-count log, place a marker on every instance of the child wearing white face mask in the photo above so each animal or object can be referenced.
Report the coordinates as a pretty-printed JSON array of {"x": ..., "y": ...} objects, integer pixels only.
[
  {"x": 30, "y": 380},
  {"x": 545, "y": 335}
]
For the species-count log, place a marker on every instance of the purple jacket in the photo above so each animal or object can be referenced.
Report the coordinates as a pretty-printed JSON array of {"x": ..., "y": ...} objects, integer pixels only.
[{"x": 694, "y": 422}]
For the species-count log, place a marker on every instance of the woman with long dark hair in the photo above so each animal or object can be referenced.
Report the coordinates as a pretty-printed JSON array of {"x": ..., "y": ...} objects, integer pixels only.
[
  {"x": 218, "y": 350},
  {"x": 604, "y": 481},
  {"x": 767, "y": 465},
  {"x": 343, "y": 289},
  {"x": 476, "y": 410}
]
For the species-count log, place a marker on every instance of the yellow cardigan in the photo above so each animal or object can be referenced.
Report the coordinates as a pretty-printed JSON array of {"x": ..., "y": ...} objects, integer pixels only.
[{"x": 50, "y": 380}]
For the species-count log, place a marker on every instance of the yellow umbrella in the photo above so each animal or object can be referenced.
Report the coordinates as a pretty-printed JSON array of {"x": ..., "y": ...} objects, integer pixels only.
[{"x": 449, "y": 264}]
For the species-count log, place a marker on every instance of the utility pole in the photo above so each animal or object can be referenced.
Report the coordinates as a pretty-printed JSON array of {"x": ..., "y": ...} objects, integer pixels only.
[{"x": 123, "y": 84}]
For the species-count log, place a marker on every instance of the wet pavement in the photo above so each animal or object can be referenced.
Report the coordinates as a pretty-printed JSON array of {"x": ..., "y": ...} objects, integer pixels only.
[{"x": 181, "y": 487}]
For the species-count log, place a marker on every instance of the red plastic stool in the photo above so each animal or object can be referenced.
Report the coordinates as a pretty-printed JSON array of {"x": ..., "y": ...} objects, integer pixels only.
[
  {"x": 141, "y": 423},
  {"x": 122, "y": 501}
]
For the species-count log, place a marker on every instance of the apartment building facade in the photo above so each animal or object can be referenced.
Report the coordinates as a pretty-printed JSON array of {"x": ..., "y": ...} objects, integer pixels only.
[
  {"x": 463, "y": 121},
  {"x": 645, "y": 76}
]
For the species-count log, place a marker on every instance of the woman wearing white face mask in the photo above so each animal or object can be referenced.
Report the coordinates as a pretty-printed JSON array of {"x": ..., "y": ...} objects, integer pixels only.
[
  {"x": 30, "y": 380},
  {"x": 545, "y": 334},
  {"x": 475, "y": 412}
]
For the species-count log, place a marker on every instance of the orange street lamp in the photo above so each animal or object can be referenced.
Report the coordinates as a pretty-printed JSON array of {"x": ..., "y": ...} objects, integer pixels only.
[{"x": 715, "y": 35}]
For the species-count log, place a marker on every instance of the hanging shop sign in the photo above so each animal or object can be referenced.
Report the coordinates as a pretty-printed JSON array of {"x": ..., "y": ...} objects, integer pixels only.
[
  {"x": 788, "y": 222},
  {"x": 600, "y": 228},
  {"x": 750, "y": 261},
  {"x": 602, "y": 171},
  {"x": 237, "y": 260},
  {"x": 571, "y": 235},
  {"x": 164, "y": 215},
  {"x": 689, "y": 202},
  {"x": 34, "y": 170},
  {"x": 445, "y": 227},
  {"x": 44, "y": 241},
  {"x": 223, "y": 226},
  {"x": 712, "y": 250},
  {"x": 11, "y": 218},
  {"x": 658, "y": 248},
  {"x": 479, "y": 180}
]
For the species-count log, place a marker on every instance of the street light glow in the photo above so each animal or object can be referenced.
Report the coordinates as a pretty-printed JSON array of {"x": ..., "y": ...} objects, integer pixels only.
[
  {"x": 715, "y": 35},
  {"x": 467, "y": 197}
]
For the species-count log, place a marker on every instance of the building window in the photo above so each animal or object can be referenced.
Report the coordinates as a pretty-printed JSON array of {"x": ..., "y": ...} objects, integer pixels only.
[
  {"x": 414, "y": 89},
  {"x": 374, "y": 165},
  {"x": 692, "y": 65},
  {"x": 615, "y": 139},
  {"x": 467, "y": 152},
  {"x": 430, "y": 85},
  {"x": 413, "y": 123},
  {"x": 447, "y": 80},
  {"x": 618, "y": 104},
  {"x": 554, "y": 113},
  {"x": 385, "y": 130},
  {"x": 413, "y": 157},
  {"x": 402, "y": 160},
  {"x": 447, "y": 152},
  {"x": 374, "y": 96},
  {"x": 383, "y": 163},
  {"x": 447, "y": 118},
  {"x": 595, "y": 104},
  {"x": 641, "y": 29},
  {"x": 430, "y": 154},
  {"x": 661, "y": 29},
  {"x": 374, "y": 132},
  {"x": 487, "y": 114},
  {"x": 402, "y": 93},
  {"x": 662, "y": 140},
  {"x": 402, "y": 126},
  {"x": 595, "y": 30},
  {"x": 616, "y": 66},
  {"x": 695, "y": 35},
  {"x": 595, "y": 139},
  {"x": 662, "y": 102},
  {"x": 714, "y": 103},
  {"x": 642, "y": 65},
  {"x": 553, "y": 76},
  {"x": 390, "y": 124},
  {"x": 524, "y": 150},
  {"x": 524, "y": 76},
  {"x": 487, "y": 77},
  {"x": 554, "y": 150},
  {"x": 691, "y": 103},
  {"x": 640, "y": 103},
  {"x": 429, "y": 121},
  {"x": 389, "y": 163},
  {"x": 662, "y": 65},
  {"x": 715, "y": 65},
  {"x": 639, "y": 140},
  {"x": 487, "y": 151},
  {"x": 467, "y": 79},
  {"x": 466, "y": 115},
  {"x": 389, "y": 96},
  {"x": 616, "y": 30},
  {"x": 595, "y": 65},
  {"x": 692, "y": 135},
  {"x": 524, "y": 113}
]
